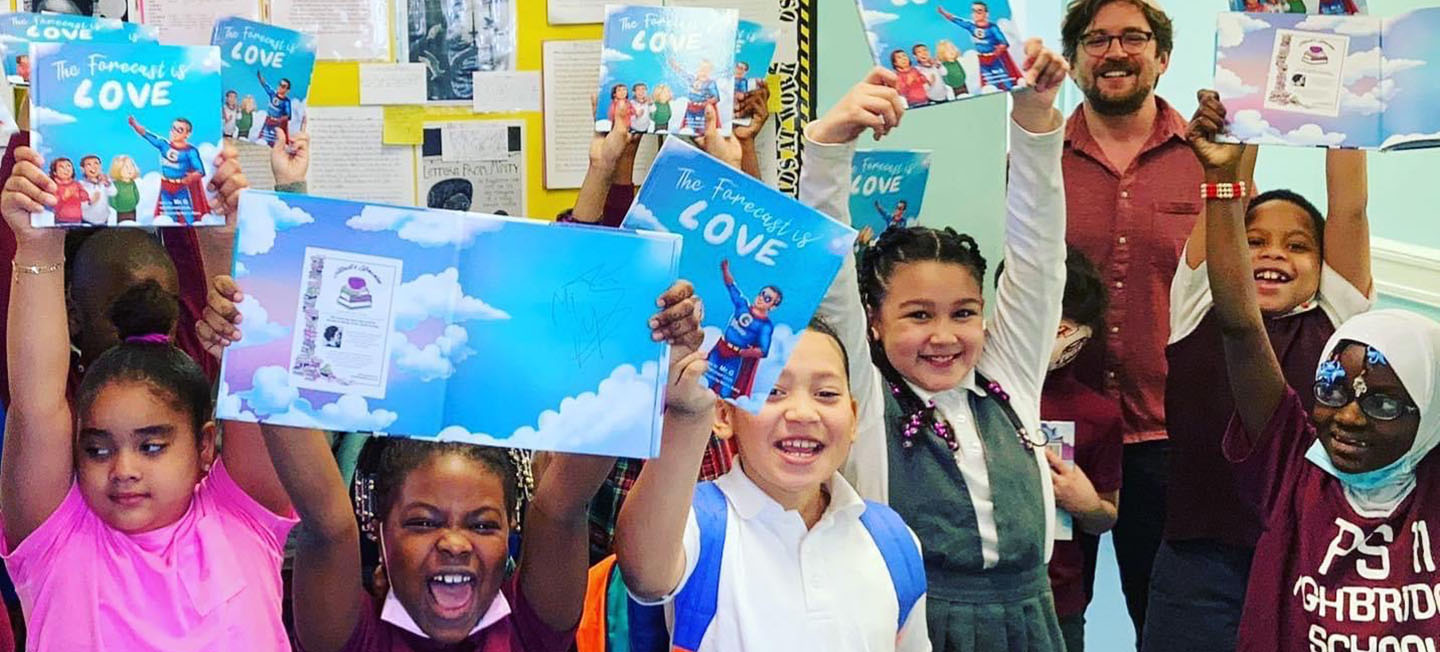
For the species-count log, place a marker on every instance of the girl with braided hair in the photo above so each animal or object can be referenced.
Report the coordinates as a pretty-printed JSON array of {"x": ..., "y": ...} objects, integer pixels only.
[{"x": 949, "y": 425}]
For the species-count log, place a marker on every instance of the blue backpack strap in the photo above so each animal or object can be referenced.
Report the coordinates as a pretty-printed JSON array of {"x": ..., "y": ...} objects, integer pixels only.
[
  {"x": 901, "y": 555},
  {"x": 696, "y": 604}
]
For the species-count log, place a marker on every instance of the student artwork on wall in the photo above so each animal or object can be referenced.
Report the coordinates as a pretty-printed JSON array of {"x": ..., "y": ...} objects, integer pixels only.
[
  {"x": 1330, "y": 81},
  {"x": 446, "y": 325},
  {"x": 456, "y": 39},
  {"x": 1060, "y": 439},
  {"x": 19, "y": 30},
  {"x": 946, "y": 50},
  {"x": 668, "y": 65},
  {"x": 265, "y": 81},
  {"x": 760, "y": 262},
  {"x": 129, "y": 132},
  {"x": 1324, "y": 7},
  {"x": 754, "y": 49},
  {"x": 886, "y": 189},
  {"x": 113, "y": 9}
]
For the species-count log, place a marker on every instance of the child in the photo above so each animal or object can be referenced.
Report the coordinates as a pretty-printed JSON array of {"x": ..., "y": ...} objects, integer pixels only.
[
  {"x": 911, "y": 84},
  {"x": 642, "y": 110},
  {"x": 935, "y": 88},
  {"x": 949, "y": 56},
  {"x": 619, "y": 103},
  {"x": 121, "y": 528},
  {"x": 1347, "y": 490},
  {"x": 246, "y": 122},
  {"x": 123, "y": 173},
  {"x": 98, "y": 191},
  {"x": 779, "y": 547},
  {"x": 1311, "y": 273},
  {"x": 663, "y": 97},
  {"x": 961, "y": 460},
  {"x": 230, "y": 114},
  {"x": 70, "y": 197}
]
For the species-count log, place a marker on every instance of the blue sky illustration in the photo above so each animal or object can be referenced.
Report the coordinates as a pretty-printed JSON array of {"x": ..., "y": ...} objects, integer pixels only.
[
  {"x": 706, "y": 34},
  {"x": 18, "y": 30},
  {"x": 508, "y": 331},
  {"x": 297, "y": 64},
  {"x": 886, "y": 176},
  {"x": 1410, "y": 46},
  {"x": 755, "y": 45}
]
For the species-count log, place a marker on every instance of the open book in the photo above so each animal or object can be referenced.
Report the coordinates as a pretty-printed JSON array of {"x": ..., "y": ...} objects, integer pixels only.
[
  {"x": 1325, "y": 7},
  {"x": 1330, "y": 81},
  {"x": 440, "y": 324},
  {"x": 946, "y": 50}
]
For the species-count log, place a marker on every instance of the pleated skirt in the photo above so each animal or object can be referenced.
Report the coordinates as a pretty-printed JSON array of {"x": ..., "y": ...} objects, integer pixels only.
[{"x": 993, "y": 611}]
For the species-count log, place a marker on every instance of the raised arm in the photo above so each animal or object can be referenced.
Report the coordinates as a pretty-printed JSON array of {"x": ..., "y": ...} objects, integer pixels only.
[
  {"x": 607, "y": 153},
  {"x": 1195, "y": 244},
  {"x": 1255, "y": 376},
  {"x": 757, "y": 105},
  {"x": 1347, "y": 226},
  {"x": 36, "y": 469}
]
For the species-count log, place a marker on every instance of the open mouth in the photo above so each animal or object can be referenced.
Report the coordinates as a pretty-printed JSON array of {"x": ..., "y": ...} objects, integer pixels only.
[
  {"x": 452, "y": 593},
  {"x": 1271, "y": 279},
  {"x": 1347, "y": 446},
  {"x": 940, "y": 362},
  {"x": 799, "y": 450}
]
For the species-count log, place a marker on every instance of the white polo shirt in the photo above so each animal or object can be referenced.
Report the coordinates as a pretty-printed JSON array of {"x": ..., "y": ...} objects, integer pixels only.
[{"x": 786, "y": 588}]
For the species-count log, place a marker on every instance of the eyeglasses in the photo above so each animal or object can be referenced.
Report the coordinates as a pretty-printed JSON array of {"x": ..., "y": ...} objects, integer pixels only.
[
  {"x": 1381, "y": 407},
  {"x": 1132, "y": 42}
]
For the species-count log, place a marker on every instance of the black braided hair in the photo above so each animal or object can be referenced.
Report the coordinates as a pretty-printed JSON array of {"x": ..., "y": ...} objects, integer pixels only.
[
  {"x": 385, "y": 462},
  {"x": 895, "y": 247}
]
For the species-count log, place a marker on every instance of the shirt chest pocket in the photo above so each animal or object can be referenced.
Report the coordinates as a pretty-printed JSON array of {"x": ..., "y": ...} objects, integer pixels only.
[{"x": 1170, "y": 226}]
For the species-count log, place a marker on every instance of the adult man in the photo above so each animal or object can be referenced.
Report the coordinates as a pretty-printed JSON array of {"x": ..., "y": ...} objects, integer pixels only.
[
  {"x": 1132, "y": 196},
  {"x": 745, "y": 341},
  {"x": 182, "y": 187},
  {"x": 277, "y": 117}
]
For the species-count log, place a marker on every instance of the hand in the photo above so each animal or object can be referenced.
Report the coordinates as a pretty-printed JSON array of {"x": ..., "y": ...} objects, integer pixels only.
[
  {"x": 607, "y": 149},
  {"x": 725, "y": 267},
  {"x": 719, "y": 145},
  {"x": 687, "y": 394},
  {"x": 678, "y": 321},
  {"x": 28, "y": 190},
  {"x": 133, "y": 124},
  {"x": 873, "y": 104},
  {"x": 228, "y": 181},
  {"x": 756, "y": 105},
  {"x": 1073, "y": 491},
  {"x": 1034, "y": 108},
  {"x": 219, "y": 324},
  {"x": 290, "y": 163},
  {"x": 944, "y": 13},
  {"x": 1209, "y": 121}
]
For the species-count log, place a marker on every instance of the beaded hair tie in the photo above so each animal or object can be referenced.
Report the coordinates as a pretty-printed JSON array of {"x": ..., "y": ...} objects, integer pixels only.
[{"x": 915, "y": 423}]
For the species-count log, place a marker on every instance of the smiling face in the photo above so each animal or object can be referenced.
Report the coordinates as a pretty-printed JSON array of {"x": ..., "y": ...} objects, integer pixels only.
[
  {"x": 179, "y": 132},
  {"x": 445, "y": 544},
  {"x": 804, "y": 431},
  {"x": 922, "y": 54},
  {"x": 283, "y": 89},
  {"x": 64, "y": 170},
  {"x": 91, "y": 166},
  {"x": 1117, "y": 82},
  {"x": 980, "y": 13},
  {"x": 1355, "y": 442},
  {"x": 900, "y": 60},
  {"x": 137, "y": 459},
  {"x": 930, "y": 323},
  {"x": 1284, "y": 254},
  {"x": 764, "y": 302},
  {"x": 231, "y": 100},
  {"x": 641, "y": 93}
]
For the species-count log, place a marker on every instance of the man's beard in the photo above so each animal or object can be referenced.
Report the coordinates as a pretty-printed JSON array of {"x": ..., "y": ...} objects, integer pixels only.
[{"x": 1123, "y": 105}]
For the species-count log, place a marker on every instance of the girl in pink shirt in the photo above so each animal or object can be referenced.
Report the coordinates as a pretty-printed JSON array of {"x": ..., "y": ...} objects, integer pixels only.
[{"x": 121, "y": 529}]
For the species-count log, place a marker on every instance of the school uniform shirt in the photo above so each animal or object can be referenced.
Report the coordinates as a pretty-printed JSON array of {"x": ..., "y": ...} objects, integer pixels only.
[
  {"x": 208, "y": 582},
  {"x": 1327, "y": 577},
  {"x": 510, "y": 625},
  {"x": 1019, "y": 337},
  {"x": 1099, "y": 449},
  {"x": 1133, "y": 223},
  {"x": 785, "y": 587},
  {"x": 1202, "y": 500}
]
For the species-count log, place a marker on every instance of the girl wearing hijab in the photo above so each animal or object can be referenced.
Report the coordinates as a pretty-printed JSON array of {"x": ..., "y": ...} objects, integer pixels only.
[{"x": 1349, "y": 491}]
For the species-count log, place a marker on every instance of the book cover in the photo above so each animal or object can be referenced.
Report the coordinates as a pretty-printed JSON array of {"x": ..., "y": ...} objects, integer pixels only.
[
  {"x": 129, "y": 132},
  {"x": 760, "y": 261},
  {"x": 755, "y": 46},
  {"x": 265, "y": 81},
  {"x": 1330, "y": 81},
  {"x": 667, "y": 65},
  {"x": 1324, "y": 7},
  {"x": 886, "y": 189},
  {"x": 18, "y": 30},
  {"x": 445, "y": 325},
  {"x": 1060, "y": 439},
  {"x": 946, "y": 50}
]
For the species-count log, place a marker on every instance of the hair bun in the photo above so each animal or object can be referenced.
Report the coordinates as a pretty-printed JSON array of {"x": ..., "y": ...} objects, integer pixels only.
[{"x": 143, "y": 311}]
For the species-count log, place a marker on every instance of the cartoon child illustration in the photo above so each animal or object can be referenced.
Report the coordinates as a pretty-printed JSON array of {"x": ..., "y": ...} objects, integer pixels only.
[
  {"x": 642, "y": 109},
  {"x": 246, "y": 121},
  {"x": 182, "y": 173},
  {"x": 123, "y": 173},
  {"x": 703, "y": 92},
  {"x": 22, "y": 67},
  {"x": 619, "y": 95},
  {"x": 894, "y": 218},
  {"x": 949, "y": 56},
  {"x": 1253, "y": 6},
  {"x": 1338, "y": 7},
  {"x": 69, "y": 195},
  {"x": 663, "y": 97},
  {"x": 230, "y": 114},
  {"x": 997, "y": 68},
  {"x": 98, "y": 191},
  {"x": 742, "y": 85},
  {"x": 933, "y": 72},
  {"x": 746, "y": 339},
  {"x": 278, "y": 115},
  {"x": 912, "y": 84}
]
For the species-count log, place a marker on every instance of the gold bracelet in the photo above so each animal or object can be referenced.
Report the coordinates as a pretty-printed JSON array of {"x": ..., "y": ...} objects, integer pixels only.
[{"x": 37, "y": 269}]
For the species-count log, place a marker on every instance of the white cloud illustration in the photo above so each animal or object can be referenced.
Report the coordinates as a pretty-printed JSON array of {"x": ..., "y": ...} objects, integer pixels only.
[
  {"x": 436, "y": 360},
  {"x": 425, "y": 228},
  {"x": 1231, "y": 28},
  {"x": 439, "y": 296},
  {"x": 261, "y": 216},
  {"x": 257, "y": 329},
  {"x": 641, "y": 217},
  {"x": 1229, "y": 85}
]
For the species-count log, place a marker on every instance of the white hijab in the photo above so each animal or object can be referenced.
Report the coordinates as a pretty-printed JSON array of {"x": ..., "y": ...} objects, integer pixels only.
[{"x": 1411, "y": 344}]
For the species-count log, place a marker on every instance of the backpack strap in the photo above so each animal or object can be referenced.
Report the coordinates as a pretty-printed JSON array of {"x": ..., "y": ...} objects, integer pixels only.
[
  {"x": 696, "y": 603},
  {"x": 901, "y": 555}
]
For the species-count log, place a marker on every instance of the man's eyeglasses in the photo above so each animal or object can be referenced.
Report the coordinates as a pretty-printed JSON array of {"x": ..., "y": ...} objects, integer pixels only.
[
  {"x": 1381, "y": 407},
  {"x": 1132, "y": 42}
]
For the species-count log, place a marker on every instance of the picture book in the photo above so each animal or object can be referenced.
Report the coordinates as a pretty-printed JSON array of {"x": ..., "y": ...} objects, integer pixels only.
[
  {"x": 666, "y": 66},
  {"x": 129, "y": 132},
  {"x": 886, "y": 189},
  {"x": 755, "y": 46},
  {"x": 18, "y": 30},
  {"x": 1330, "y": 81},
  {"x": 265, "y": 80},
  {"x": 946, "y": 50},
  {"x": 760, "y": 261},
  {"x": 1323, "y": 7},
  {"x": 445, "y": 325},
  {"x": 1060, "y": 439}
]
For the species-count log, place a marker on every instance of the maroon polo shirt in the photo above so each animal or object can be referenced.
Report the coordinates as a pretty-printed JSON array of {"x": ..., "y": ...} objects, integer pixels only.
[{"x": 1132, "y": 224}]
